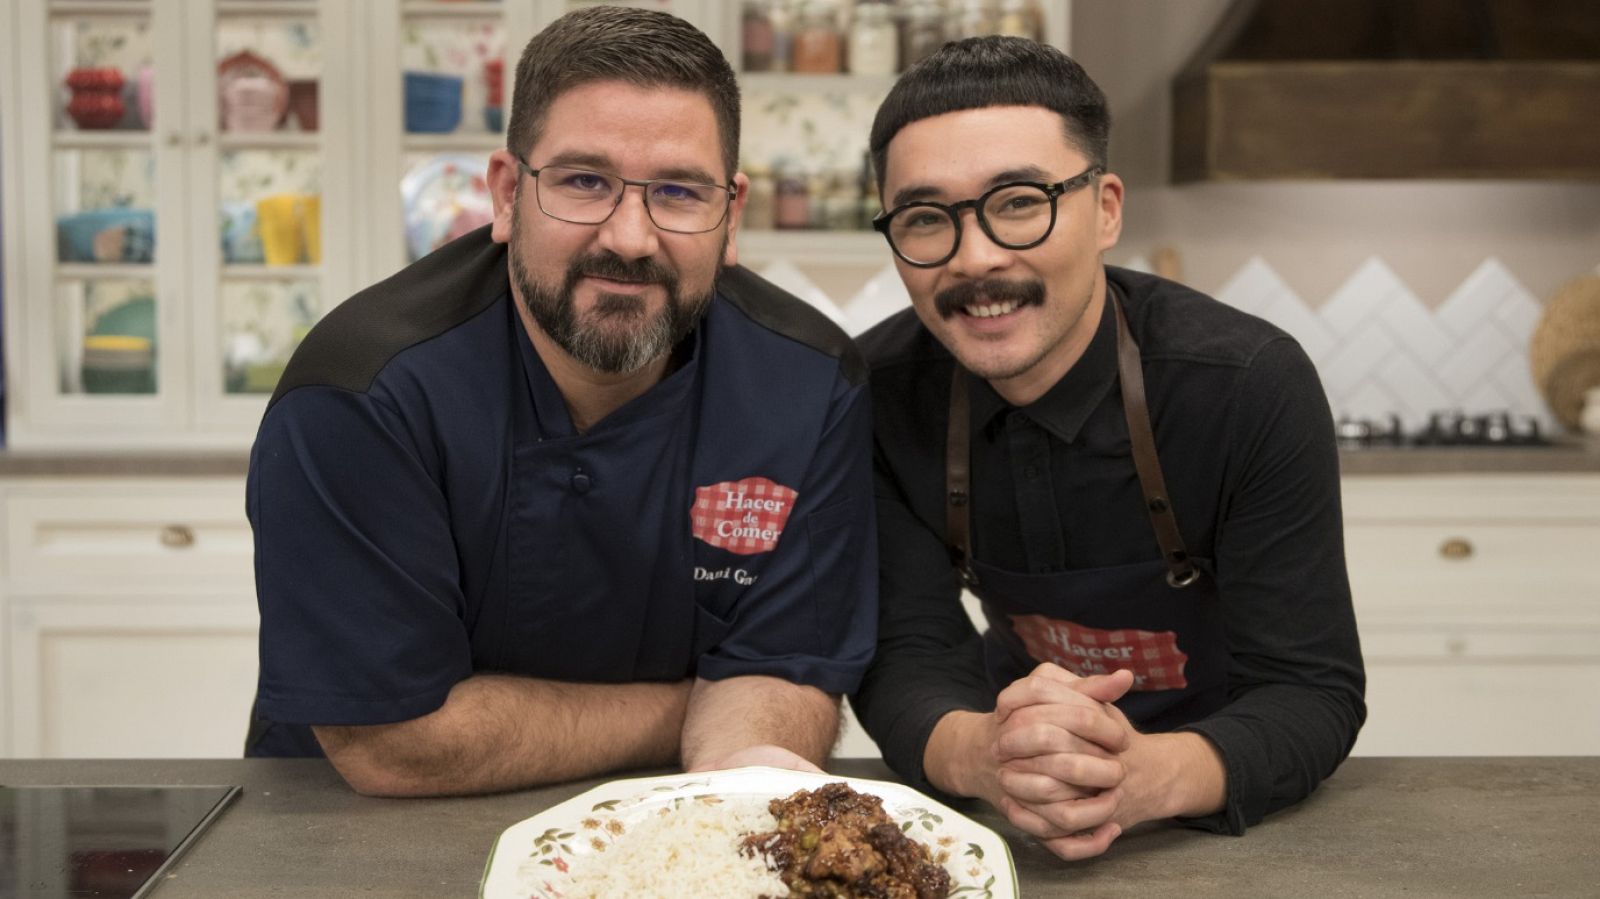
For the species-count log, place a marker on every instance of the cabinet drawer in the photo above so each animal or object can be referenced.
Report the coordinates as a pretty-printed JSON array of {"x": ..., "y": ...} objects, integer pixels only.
[
  {"x": 1462, "y": 566},
  {"x": 119, "y": 537}
]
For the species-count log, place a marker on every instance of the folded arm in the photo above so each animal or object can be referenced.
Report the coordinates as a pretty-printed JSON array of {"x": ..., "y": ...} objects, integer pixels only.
[
  {"x": 758, "y": 720},
  {"x": 500, "y": 733}
]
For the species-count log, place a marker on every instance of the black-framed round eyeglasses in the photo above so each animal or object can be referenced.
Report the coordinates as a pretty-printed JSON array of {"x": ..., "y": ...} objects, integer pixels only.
[
  {"x": 584, "y": 197},
  {"x": 1018, "y": 215}
]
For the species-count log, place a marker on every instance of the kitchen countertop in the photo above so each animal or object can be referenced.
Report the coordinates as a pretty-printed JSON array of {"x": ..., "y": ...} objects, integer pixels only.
[
  {"x": 1568, "y": 456},
  {"x": 1380, "y": 827}
]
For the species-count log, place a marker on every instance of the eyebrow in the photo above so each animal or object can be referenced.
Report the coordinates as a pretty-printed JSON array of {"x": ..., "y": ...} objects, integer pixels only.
[
  {"x": 600, "y": 162},
  {"x": 917, "y": 192}
]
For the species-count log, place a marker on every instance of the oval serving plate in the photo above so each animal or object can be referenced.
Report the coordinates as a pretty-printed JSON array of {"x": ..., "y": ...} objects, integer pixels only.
[{"x": 532, "y": 858}]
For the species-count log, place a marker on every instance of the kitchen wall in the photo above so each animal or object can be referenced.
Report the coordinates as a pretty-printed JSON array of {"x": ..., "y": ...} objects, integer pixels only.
[{"x": 1411, "y": 295}]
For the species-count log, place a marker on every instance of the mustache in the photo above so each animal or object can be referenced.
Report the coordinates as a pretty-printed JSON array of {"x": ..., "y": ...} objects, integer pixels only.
[
  {"x": 606, "y": 264},
  {"x": 952, "y": 300}
]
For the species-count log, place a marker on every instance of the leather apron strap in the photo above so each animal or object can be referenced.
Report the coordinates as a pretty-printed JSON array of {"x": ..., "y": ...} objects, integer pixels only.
[{"x": 1181, "y": 571}]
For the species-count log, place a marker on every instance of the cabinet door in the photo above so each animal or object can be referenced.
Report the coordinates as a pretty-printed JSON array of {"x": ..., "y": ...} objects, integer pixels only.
[
  {"x": 131, "y": 679},
  {"x": 269, "y": 118},
  {"x": 101, "y": 308}
]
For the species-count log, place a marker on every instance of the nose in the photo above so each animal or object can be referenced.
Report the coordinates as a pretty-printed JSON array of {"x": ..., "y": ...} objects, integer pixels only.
[
  {"x": 629, "y": 232},
  {"x": 978, "y": 255}
]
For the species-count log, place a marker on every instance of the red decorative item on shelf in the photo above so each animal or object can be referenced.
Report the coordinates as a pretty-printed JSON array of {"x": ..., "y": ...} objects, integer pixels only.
[
  {"x": 96, "y": 97},
  {"x": 494, "y": 80}
]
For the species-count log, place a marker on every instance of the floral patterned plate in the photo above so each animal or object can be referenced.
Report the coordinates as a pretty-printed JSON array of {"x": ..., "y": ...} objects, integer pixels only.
[{"x": 532, "y": 858}]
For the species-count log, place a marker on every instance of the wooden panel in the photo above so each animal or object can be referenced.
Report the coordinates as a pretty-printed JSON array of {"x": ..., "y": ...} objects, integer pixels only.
[
  {"x": 159, "y": 538},
  {"x": 1404, "y": 119},
  {"x": 126, "y": 680},
  {"x": 1493, "y": 709}
]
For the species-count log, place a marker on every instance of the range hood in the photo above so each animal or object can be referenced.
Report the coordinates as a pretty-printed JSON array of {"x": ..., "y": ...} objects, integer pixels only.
[{"x": 1320, "y": 89}]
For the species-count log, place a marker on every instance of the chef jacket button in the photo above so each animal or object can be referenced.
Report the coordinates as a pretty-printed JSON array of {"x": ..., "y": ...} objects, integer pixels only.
[{"x": 581, "y": 483}]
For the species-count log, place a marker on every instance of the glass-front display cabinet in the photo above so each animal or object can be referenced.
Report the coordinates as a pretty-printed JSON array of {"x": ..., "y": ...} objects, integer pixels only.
[{"x": 183, "y": 208}]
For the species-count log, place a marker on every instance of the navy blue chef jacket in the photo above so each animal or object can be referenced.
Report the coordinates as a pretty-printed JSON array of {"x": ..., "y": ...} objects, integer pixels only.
[{"x": 423, "y": 508}]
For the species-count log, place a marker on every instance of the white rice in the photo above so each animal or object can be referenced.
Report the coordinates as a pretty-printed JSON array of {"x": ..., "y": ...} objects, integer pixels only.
[{"x": 692, "y": 850}]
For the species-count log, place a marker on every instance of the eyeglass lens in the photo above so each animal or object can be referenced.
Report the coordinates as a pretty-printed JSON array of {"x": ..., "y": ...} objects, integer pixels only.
[
  {"x": 588, "y": 198},
  {"x": 1017, "y": 215}
]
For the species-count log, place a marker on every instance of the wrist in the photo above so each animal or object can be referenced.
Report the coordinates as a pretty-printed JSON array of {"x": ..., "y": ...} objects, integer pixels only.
[
  {"x": 1180, "y": 775},
  {"x": 959, "y": 758}
]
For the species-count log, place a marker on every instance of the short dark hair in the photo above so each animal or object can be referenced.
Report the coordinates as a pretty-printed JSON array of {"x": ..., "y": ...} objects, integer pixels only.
[
  {"x": 996, "y": 71},
  {"x": 641, "y": 47}
]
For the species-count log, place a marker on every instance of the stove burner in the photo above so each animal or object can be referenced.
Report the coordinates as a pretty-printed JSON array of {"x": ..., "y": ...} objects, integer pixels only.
[{"x": 1447, "y": 428}]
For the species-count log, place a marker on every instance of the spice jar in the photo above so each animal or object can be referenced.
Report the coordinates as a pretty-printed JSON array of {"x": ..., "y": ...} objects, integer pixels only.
[
  {"x": 755, "y": 35},
  {"x": 792, "y": 208},
  {"x": 924, "y": 32},
  {"x": 1016, "y": 19},
  {"x": 874, "y": 42},
  {"x": 841, "y": 207},
  {"x": 970, "y": 19},
  {"x": 818, "y": 46},
  {"x": 760, "y": 201}
]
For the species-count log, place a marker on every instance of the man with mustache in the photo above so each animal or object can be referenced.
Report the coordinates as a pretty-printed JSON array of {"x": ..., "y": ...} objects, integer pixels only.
[
  {"x": 1138, "y": 483},
  {"x": 574, "y": 493}
]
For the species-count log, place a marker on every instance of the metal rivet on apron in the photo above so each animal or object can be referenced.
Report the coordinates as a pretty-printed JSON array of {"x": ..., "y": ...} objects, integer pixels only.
[
  {"x": 958, "y": 497},
  {"x": 1158, "y": 504}
]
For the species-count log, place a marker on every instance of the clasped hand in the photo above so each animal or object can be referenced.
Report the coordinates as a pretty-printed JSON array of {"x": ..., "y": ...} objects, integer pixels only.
[{"x": 1062, "y": 755}]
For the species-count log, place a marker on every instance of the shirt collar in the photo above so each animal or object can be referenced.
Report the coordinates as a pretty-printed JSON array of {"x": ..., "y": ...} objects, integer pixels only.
[{"x": 1063, "y": 408}]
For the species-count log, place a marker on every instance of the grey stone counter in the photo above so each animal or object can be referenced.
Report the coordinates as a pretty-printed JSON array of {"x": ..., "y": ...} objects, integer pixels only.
[
  {"x": 1417, "y": 828},
  {"x": 1572, "y": 456}
]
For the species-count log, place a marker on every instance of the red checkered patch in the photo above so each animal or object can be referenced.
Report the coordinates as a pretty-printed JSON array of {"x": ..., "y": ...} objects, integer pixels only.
[
  {"x": 744, "y": 517},
  {"x": 1153, "y": 657}
]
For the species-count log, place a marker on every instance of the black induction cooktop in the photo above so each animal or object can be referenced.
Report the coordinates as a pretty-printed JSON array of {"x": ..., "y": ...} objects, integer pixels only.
[{"x": 104, "y": 842}]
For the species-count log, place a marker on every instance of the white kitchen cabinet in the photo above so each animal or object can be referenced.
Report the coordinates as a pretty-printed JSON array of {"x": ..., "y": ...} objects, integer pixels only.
[
  {"x": 1478, "y": 602},
  {"x": 128, "y": 619}
]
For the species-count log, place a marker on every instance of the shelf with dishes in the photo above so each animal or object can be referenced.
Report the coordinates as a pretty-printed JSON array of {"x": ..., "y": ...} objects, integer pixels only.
[
  {"x": 240, "y": 271},
  {"x": 88, "y": 271},
  {"x": 129, "y": 139},
  {"x": 803, "y": 83},
  {"x": 99, "y": 7},
  {"x": 459, "y": 141},
  {"x": 267, "y": 8},
  {"x": 805, "y": 247}
]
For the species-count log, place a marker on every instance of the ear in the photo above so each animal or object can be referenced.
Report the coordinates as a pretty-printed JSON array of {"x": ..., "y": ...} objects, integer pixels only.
[
  {"x": 502, "y": 176},
  {"x": 741, "y": 186},
  {"x": 1110, "y": 223}
]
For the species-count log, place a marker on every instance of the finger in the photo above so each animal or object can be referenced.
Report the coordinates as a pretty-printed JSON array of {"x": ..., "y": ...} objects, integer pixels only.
[
  {"x": 1084, "y": 845},
  {"x": 1039, "y": 789},
  {"x": 1060, "y": 686},
  {"x": 1051, "y": 820},
  {"x": 1073, "y": 769},
  {"x": 1060, "y": 728}
]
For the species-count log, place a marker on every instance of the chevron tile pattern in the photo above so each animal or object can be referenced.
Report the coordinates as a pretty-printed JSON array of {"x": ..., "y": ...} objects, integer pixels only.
[{"x": 1380, "y": 349}]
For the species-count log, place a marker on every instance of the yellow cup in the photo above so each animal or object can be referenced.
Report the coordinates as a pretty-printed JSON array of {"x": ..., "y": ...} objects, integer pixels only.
[
  {"x": 311, "y": 226},
  {"x": 282, "y": 237}
]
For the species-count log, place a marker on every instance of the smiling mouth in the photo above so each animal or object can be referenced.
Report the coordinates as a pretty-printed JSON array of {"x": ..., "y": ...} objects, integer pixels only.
[{"x": 990, "y": 310}]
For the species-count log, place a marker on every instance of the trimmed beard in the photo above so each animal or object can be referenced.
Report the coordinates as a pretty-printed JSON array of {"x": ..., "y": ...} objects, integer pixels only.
[{"x": 614, "y": 337}]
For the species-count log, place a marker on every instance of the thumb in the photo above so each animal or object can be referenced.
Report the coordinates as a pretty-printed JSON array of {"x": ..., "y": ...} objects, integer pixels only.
[{"x": 1106, "y": 687}]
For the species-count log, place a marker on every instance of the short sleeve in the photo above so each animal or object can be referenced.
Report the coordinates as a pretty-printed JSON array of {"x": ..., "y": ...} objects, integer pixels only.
[{"x": 356, "y": 569}]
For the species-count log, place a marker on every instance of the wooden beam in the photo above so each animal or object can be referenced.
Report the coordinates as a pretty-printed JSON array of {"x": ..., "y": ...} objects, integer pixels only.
[{"x": 1387, "y": 119}]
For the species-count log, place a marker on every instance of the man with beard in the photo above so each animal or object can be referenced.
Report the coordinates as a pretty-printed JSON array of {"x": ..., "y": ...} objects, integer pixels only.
[
  {"x": 574, "y": 493},
  {"x": 1138, "y": 483}
]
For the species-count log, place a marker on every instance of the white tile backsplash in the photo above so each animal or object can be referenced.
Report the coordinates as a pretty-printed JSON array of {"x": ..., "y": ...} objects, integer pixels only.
[{"x": 1380, "y": 349}]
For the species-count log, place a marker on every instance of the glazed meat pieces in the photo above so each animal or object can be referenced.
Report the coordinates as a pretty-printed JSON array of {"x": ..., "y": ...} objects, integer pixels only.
[{"x": 836, "y": 843}]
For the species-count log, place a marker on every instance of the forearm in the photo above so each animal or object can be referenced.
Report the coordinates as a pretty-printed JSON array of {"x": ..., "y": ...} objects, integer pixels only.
[
  {"x": 498, "y": 732},
  {"x": 725, "y": 716},
  {"x": 1278, "y": 742}
]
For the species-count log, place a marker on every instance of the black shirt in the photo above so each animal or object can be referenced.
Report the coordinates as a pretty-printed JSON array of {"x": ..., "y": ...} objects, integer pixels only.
[{"x": 1246, "y": 443}]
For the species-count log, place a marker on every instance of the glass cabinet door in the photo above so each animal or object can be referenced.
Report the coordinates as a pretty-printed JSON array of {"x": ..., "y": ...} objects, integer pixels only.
[
  {"x": 105, "y": 337},
  {"x": 271, "y": 201}
]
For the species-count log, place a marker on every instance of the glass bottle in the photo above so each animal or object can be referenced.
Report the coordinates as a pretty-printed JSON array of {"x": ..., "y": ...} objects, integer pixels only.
[
  {"x": 842, "y": 206},
  {"x": 792, "y": 209},
  {"x": 924, "y": 32},
  {"x": 1016, "y": 19},
  {"x": 818, "y": 46},
  {"x": 781, "y": 14},
  {"x": 874, "y": 41},
  {"x": 755, "y": 33},
  {"x": 970, "y": 19},
  {"x": 759, "y": 204}
]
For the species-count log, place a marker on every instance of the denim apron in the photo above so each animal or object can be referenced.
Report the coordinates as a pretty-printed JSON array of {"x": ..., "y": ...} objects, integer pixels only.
[{"x": 1159, "y": 618}]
